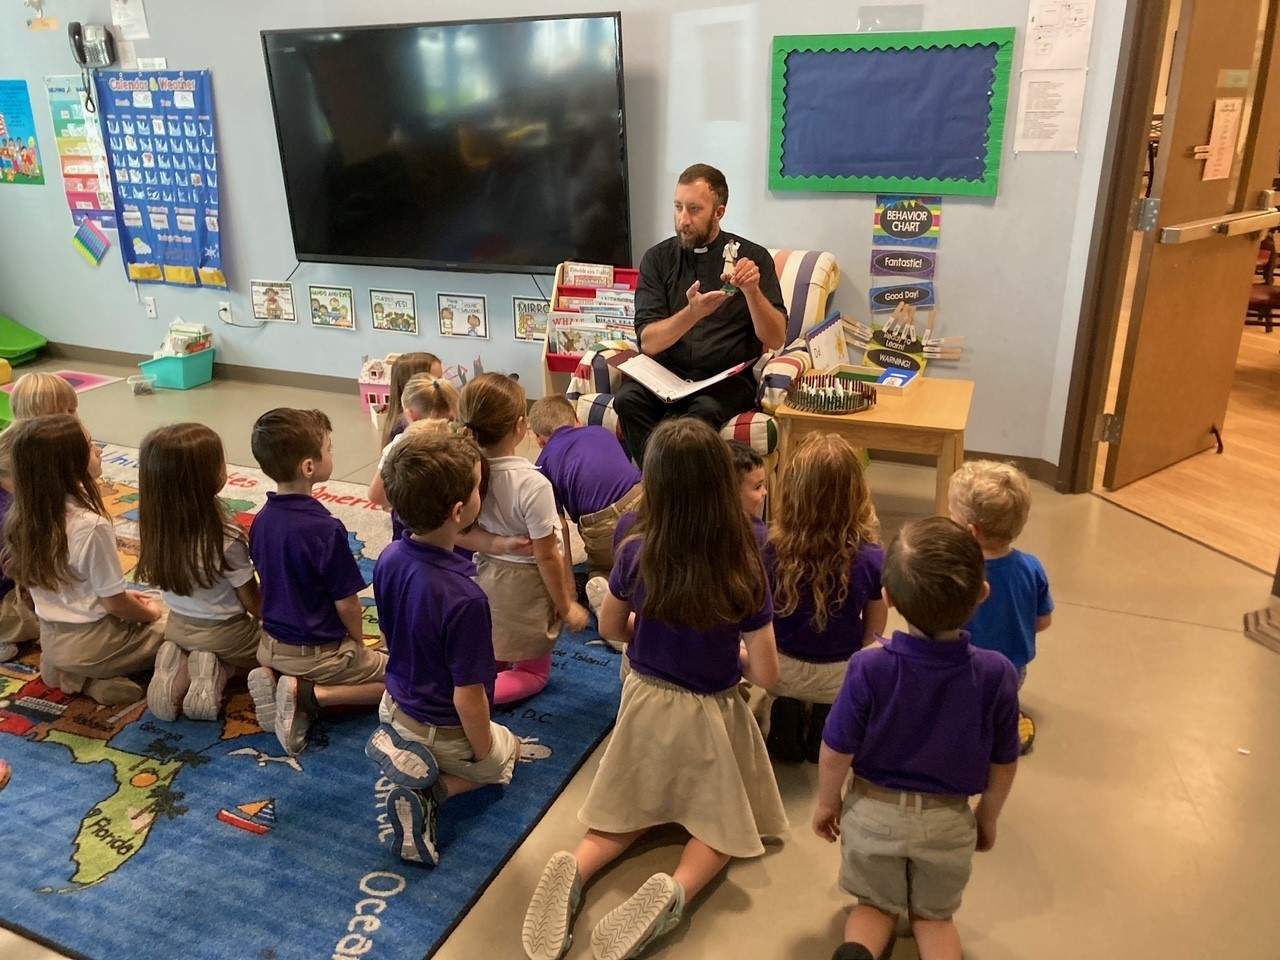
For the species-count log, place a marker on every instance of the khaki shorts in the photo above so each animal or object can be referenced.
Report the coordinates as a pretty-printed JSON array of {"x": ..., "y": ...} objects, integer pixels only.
[
  {"x": 234, "y": 641},
  {"x": 452, "y": 749},
  {"x": 18, "y": 623},
  {"x": 597, "y": 529},
  {"x": 810, "y": 682},
  {"x": 525, "y": 623},
  {"x": 905, "y": 857},
  {"x": 73, "y": 653},
  {"x": 328, "y": 664}
]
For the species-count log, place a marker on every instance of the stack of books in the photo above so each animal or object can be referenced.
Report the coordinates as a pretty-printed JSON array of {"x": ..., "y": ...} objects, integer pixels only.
[{"x": 592, "y": 304}]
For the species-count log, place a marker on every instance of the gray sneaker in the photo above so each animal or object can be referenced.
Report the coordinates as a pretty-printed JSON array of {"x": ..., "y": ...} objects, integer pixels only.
[
  {"x": 548, "y": 923},
  {"x": 169, "y": 682},
  {"x": 7, "y": 652},
  {"x": 295, "y": 705},
  {"x": 630, "y": 927},
  {"x": 262, "y": 687},
  {"x": 209, "y": 677}
]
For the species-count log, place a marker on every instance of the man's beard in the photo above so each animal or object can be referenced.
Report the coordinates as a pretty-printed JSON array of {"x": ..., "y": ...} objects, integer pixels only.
[{"x": 691, "y": 241}]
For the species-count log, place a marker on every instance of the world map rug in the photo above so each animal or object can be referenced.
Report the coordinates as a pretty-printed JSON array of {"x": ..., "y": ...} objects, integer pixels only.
[{"x": 127, "y": 837}]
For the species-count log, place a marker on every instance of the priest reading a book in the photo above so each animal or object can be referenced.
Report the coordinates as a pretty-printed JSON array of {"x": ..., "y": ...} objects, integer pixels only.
[{"x": 698, "y": 317}]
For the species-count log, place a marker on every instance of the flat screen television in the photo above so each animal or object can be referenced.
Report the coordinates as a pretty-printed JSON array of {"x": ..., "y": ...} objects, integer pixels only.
[{"x": 490, "y": 145}]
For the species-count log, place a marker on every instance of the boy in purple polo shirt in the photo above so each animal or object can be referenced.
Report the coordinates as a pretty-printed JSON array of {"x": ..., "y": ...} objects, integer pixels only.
[
  {"x": 594, "y": 481},
  {"x": 926, "y": 721},
  {"x": 437, "y": 738},
  {"x": 312, "y": 631}
]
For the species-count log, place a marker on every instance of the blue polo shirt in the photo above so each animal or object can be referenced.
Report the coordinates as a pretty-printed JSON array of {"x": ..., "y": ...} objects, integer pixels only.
[
  {"x": 1006, "y": 621},
  {"x": 303, "y": 556},
  {"x": 588, "y": 470},
  {"x": 437, "y": 626},
  {"x": 929, "y": 716}
]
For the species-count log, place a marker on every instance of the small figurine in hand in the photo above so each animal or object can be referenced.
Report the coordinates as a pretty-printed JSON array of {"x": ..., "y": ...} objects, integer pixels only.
[{"x": 730, "y": 257}]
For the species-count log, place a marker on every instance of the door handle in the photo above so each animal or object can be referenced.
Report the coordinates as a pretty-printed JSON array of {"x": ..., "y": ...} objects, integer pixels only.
[{"x": 1230, "y": 225}]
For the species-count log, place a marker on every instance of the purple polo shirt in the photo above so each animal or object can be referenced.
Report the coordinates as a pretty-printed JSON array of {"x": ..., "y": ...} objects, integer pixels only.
[
  {"x": 588, "y": 470},
  {"x": 843, "y": 637},
  {"x": 6, "y": 501},
  {"x": 437, "y": 627},
  {"x": 303, "y": 556},
  {"x": 704, "y": 661},
  {"x": 928, "y": 716},
  {"x": 628, "y": 520}
]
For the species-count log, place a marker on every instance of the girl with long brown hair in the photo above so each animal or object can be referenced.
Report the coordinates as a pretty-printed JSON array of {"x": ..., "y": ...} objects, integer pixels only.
[
  {"x": 529, "y": 596},
  {"x": 193, "y": 550},
  {"x": 61, "y": 545},
  {"x": 685, "y": 748},
  {"x": 824, "y": 560},
  {"x": 403, "y": 369}
]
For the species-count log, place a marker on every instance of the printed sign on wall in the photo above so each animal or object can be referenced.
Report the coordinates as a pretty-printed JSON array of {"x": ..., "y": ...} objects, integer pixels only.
[
  {"x": 395, "y": 311},
  {"x": 332, "y": 307},
  {"x": 530, "y": 315},
  {"x": 19, "y": 153},
  {"x": 462, "y": 315},
  {"x": 82, "y": 152},
  {"x": 907, "y": 221},
  {"x": 272, "y": 300}
]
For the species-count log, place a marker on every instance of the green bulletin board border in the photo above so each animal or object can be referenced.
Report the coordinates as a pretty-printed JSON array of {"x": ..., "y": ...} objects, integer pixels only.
[{"x": 783, "y": 46}]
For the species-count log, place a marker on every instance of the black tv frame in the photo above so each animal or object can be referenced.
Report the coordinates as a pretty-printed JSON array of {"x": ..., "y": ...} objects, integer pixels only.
[{"x": 467, "y": 267}]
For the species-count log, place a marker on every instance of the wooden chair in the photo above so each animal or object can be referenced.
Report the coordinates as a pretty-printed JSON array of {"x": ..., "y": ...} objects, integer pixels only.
[{"x": 1264, "y": 297}]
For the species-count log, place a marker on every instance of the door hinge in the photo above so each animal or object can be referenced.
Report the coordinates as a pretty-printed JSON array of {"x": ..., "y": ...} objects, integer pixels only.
[
  {"x": 1110, "y": 428},
  {"x": 1145, "y": 214}
]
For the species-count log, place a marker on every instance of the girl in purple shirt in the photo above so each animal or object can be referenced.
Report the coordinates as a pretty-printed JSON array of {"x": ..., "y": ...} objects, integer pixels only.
[
  {"x": 685, "y": 748},
  {"x": 824, "y": 560}
]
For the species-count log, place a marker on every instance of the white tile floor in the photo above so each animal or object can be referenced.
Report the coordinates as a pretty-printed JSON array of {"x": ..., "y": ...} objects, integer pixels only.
[{"x": 1136, "y": 829}]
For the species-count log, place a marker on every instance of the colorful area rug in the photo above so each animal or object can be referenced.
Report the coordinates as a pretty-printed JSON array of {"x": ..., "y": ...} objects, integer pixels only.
[
  {"x": 128, "y": 837},
  {"x": 81, "y": 382}
]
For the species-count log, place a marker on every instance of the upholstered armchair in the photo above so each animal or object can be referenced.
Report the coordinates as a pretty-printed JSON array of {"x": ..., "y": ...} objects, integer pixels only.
[{"x": 808, "y": 278}]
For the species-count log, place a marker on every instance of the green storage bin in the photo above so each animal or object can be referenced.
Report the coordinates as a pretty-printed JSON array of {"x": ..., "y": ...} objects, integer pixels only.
[
  {"x": 181, "y": 373},
  {"x": 18, "y": 344}
]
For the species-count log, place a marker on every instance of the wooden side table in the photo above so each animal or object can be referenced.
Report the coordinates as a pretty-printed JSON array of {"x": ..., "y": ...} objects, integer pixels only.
[{"x": 930, "y": 418}]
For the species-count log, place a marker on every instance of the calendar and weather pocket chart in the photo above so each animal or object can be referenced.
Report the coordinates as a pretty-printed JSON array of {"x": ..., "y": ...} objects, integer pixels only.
[{"x": 162, "y": 152}]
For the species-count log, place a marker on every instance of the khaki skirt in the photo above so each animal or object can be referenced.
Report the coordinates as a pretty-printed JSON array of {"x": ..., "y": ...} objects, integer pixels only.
[
  {"x": 234, "y": 641},
  {"x": 525, "y": 623},
  {"x": 18, "y": 623},
  {"x": 694, "y": 759},
  {"x": 808, "y": 681}
]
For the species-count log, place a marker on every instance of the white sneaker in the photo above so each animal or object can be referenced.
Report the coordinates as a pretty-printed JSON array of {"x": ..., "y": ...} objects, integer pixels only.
[
  {"x": 262, "y": 687},
  {"x": 169, "y": 682},
  {"x": 548, "y": 923},
  {"x": 631, "y": 926},
  {"x": 209, "y": 677},
  {"x": 597, "y": 590},
  {"x": 294, "y": 708}
]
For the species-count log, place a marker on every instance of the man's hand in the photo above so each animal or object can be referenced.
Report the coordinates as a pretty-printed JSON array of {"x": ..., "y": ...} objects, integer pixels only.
[
  {"x": 705, "y": 304},
  {"x": 746, "y": 275}
]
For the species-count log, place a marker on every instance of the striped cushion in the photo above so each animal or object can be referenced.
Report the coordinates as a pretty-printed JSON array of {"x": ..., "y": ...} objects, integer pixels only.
[
  {"x": 597, "y": 373},
  {"x": 596, "y": 409},
  {"x": 759, "y": 431},
  {"x": 776, "y": 377},
  {"x": 808, "y": 278}
]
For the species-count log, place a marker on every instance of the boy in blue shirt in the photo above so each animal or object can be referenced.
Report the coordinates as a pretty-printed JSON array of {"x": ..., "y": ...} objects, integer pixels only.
[
  {"x": 926, "y": 721},
  {"x": 992, "y": 501},
  {"x": 437, "y": 738}
]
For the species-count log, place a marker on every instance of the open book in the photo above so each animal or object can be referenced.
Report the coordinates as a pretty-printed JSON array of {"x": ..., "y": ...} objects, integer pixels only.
[{"x": 667, "y": 385}]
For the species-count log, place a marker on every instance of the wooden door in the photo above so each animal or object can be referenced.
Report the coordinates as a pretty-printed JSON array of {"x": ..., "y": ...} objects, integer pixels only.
[{"x": 1197, "y": 258}]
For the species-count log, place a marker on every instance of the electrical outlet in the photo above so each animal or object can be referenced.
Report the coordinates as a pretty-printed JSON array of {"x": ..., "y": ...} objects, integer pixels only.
[
  {"x": 224, "y": 311},
  {"x": 150, "y": 304}
]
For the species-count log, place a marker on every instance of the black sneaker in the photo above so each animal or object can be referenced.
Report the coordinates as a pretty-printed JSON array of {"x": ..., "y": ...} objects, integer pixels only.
[
  {"x": 813, "y": 732},
  {"x": 852, "y": 951},
  {"x": 786, "y": 728}
]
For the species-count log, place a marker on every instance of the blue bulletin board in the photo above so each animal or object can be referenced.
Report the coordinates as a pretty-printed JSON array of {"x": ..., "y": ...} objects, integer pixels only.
[
  {"x": 163, "y": 156},
  {"x": 890, "y": 112}
]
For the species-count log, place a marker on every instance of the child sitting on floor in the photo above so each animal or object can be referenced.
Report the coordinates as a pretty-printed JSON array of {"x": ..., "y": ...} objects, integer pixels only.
[
  {"x": 685, "y": 749},
  {"x": 529, "y": 596},
  {"x": 191, "y": 548},
  {"x": 312, "y": 620},
  {"x": 593, "y": 479},
  {"x": 18, "y": 623},
  {"x": 753, "y": 486},
  {"x": 40, "y": 394},
  {"x": 61, "y": 545},
  {"x": 992, "y": 500},
  {"x": 440, "y": 675},
  {"x": 926, "y": 721},
  {"x": 824, "y": 560},
  {"x": 403, "y": 369}
]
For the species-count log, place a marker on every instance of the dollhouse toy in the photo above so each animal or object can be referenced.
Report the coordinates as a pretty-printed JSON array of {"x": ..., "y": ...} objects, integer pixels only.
[{"x": 375, "y": 383}]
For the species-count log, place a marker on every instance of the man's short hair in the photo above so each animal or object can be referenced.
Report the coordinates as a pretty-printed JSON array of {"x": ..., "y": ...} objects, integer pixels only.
[
  {"x": 745, "y": 458},
  {"x": 284, "y": 437},
  {"x": 713, "y": 177},
  {"x": 425, "y": 474},
  {"x": 549, "y": 414},
  {"x": 934, "y": 572},
  {"x": 995, "y": 497}
]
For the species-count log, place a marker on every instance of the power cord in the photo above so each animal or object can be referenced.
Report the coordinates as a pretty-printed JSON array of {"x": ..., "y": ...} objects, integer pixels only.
[{"x": 224, "y": 314}]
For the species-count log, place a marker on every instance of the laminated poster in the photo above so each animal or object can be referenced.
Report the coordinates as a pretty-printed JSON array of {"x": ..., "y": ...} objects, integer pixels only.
[
  {"x": 163, "y": 157},
  {"x": 395, "y": 311},
  {"x": 907, "y": 221},
  {"x": 272, "y": 300},
  {"x": 332, "y": 307},
  {"x": 19, "y": 153},
  {"x": 530, "y": 315},
  {"x": 82, "y": 154},
  {"x": 462, "y": 315}
]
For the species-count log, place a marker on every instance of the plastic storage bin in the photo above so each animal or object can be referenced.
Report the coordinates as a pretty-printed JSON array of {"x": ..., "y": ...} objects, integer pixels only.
[{"x": 180, "y": 373}]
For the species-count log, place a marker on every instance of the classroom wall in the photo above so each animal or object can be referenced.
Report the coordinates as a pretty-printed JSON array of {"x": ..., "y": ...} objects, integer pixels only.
[{"x": 697, "y": 89}]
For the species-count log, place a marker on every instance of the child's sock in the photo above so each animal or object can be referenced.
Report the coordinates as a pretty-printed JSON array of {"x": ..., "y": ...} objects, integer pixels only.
[{"x": 522, "y": 680}]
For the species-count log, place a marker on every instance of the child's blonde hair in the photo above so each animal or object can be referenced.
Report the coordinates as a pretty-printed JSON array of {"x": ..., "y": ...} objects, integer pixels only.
[
  {"x": 994, "y": 497},
  {"x": 403, "y": 369},
  {"x": 825, "y": 515},
  {"x": 430, "y": 397},
  {"x": 40, "y": 394},
  {"x": 549, "y": 414},
  {"x": 6, "y": 454}
]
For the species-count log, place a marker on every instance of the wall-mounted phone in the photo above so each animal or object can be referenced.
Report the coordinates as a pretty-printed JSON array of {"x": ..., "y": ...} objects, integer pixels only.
[{"x": 93, "y": 46}]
